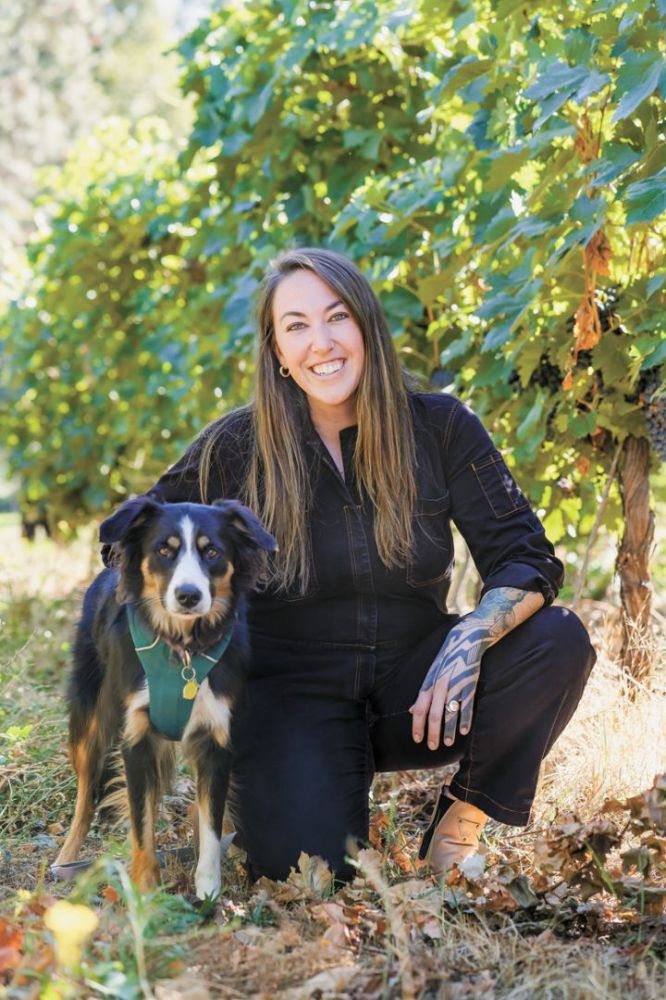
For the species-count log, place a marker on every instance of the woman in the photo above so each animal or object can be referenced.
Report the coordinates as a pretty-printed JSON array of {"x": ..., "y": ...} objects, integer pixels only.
[{"x": 357, "y": 665}]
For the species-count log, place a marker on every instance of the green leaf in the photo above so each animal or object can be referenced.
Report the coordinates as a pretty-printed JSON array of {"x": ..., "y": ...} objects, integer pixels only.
[
  {"x": 556, "y": 77},
  {"x": 401, "y": 303},
  {"x": 645, "y": 200},
  {"x": 255, "y": 108},
  {"x": 617, "y": 157},
  {"x": 531, "y": 419},
  {"x": 636, "y": 81},
  {"x": 655, "y": 283},
  {"x": 580, "y": 45}
]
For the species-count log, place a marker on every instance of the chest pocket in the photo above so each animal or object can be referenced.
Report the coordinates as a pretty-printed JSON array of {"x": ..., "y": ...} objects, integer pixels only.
[{"x": 433, "y": 542}]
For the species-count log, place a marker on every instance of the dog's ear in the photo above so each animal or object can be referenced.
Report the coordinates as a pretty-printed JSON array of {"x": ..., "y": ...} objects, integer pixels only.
[
  {"x": 132, "y": 514},
  {"x": 245, "y": 521}
]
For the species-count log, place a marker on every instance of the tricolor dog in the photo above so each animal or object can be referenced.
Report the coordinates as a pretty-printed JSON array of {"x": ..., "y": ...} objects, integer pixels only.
[{"x": 160, "y": 654}]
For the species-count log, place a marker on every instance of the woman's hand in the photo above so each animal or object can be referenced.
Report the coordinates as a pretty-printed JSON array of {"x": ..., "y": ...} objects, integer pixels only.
[{"x": 448, "y": 690}]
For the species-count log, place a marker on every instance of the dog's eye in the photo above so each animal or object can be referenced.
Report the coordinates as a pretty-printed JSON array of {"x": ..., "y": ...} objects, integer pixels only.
[
  {"x": 210, "y": 552},
  {"x": 165, "y": 551}
]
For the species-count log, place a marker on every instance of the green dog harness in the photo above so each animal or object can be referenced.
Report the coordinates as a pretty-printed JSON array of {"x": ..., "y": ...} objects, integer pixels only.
[{"x": 173, "y": 675}]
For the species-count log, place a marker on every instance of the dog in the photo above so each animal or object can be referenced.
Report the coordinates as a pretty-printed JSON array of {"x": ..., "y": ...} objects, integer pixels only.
[{"x": 159, "y": 657}]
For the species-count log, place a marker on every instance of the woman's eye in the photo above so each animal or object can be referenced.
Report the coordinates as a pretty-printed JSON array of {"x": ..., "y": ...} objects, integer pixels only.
[
  {"x": 294, "y": 326},
  {"x": 340, "y": 315}
]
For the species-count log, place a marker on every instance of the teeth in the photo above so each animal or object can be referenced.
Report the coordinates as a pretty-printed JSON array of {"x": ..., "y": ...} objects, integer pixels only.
[{"x": 328, "y": 368}]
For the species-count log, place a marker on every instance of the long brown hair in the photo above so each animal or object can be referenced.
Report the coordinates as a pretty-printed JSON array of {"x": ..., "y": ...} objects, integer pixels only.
[{"x": 277, "y": 483}]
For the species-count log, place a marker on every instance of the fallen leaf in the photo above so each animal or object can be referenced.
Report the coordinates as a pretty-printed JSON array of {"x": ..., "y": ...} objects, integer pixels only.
[
  {"x": 11, "y": 944},
  {"x": 71, "y": 925},
  {"x": 333, "y": 982},
  {"x": 335, "y": 937},
  {"x": 182, "y": 988}
]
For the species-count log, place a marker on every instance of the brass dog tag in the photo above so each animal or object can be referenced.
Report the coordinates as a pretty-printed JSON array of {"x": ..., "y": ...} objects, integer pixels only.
[
  {"x": 190, "y": 690},
  {"x": 191, "y": 686}
]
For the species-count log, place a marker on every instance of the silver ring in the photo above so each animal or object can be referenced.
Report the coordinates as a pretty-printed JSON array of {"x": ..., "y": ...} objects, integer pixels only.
[{"x": 453, "y": 706}]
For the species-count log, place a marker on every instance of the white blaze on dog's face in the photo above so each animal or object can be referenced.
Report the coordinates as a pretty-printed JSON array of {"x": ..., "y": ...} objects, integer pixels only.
[
  {"x": 189, "y": 590},
  {"x": 186, "y": 570}
]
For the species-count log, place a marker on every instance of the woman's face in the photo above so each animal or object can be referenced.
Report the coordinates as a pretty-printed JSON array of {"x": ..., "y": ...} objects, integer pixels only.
[{"x": 320, "y": 343}]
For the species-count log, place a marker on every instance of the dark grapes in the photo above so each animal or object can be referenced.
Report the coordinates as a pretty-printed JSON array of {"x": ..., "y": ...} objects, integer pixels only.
[
  {"x": 546, "y": 375},
  {"x": 651, "y": 392}
]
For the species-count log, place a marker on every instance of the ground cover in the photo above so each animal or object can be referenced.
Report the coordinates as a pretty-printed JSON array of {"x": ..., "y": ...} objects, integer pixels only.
[{"x": 571, "y": 907}]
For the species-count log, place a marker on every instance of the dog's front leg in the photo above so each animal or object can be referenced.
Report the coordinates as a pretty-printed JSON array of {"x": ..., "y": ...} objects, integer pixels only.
[
  {"x": 143, "y": 753},
  {"x": 213, "y": 770},
  {"x": 212, "y": 766},
  {"x": 142, "y": 771}
]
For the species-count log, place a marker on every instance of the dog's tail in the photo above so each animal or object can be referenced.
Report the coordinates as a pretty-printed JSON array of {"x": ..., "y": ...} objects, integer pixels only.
[{"x": 114, "y": 805}]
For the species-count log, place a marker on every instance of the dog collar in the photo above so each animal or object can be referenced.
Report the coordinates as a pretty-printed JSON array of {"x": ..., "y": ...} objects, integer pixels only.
[{"x": 173, "y": 675}]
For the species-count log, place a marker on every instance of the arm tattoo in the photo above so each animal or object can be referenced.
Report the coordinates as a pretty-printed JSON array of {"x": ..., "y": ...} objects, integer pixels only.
[
  {"x": 500, "y": 611},
  {"x": 504, "y": 608}
]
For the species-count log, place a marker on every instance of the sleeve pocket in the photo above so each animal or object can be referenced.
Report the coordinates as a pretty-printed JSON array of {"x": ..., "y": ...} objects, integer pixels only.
[{"x": 500, "y": 489}]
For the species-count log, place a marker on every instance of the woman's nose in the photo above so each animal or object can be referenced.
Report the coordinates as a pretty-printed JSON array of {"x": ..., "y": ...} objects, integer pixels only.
[{"x": 321, "y": 338}]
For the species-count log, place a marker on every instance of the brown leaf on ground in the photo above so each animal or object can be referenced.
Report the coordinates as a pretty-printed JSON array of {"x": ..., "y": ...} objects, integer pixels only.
[
  {"x": 182, "y": 988},
  {"x": 649, "y": 808},
  {"x": 42, "y": 960},
  {"x": 11, "y": 945},
  {"x": 337, "y": 936},
  {"x": 313, "y": 878},
  {"x": 333, "y": 982}
]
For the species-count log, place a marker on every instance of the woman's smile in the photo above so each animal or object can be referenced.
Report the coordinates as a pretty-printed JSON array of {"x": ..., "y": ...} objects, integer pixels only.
[{"x": 328, "y": 368}]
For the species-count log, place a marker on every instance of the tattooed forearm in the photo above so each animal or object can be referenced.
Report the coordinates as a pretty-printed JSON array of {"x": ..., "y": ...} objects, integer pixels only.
[{"x": 501, "y": 610}]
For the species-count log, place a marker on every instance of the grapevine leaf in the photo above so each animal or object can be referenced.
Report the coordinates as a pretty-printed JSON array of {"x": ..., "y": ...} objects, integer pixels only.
[
  {"x": 645, "y": 200},
  {"x": 636, "y": 81}
]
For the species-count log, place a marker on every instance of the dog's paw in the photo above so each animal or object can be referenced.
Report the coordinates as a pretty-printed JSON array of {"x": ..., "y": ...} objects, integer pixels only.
[{"x": 207, "y": 883}]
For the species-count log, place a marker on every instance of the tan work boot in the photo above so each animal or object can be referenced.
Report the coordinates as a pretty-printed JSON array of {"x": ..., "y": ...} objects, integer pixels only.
[{"x": 453, "y": 834}]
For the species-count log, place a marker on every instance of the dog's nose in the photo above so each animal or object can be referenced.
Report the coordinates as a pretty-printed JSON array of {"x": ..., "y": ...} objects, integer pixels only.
[{"x": 188, "y": 595}]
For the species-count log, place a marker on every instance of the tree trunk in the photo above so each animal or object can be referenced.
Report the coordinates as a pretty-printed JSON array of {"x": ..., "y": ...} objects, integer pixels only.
[{"x": 633, "y": 559}]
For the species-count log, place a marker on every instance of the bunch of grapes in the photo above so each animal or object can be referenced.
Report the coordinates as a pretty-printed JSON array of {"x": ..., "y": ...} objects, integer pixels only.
[
  {"x": 546, "y": 375},
  {"x": 653, "y": 395}
]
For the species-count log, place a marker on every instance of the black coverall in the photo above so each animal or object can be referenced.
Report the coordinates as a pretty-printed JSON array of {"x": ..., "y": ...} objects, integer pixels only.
[{"x": 333, "y": 673}]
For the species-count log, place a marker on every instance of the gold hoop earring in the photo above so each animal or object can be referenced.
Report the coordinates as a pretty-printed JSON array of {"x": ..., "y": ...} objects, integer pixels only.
[{"x": 284, "y": 372}]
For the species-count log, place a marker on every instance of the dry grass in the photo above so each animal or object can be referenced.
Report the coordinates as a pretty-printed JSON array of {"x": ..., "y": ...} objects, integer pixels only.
[
  {"x": 295, "y": 941},
  {"x": 616, "y": 743}
]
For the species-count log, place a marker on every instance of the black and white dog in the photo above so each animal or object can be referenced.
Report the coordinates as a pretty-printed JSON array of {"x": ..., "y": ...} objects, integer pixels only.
[{"x": 160, "y": 654}]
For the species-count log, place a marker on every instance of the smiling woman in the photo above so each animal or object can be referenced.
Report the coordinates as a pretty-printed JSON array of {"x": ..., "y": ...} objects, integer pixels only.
[
  {"x": 356, "y": 664},
  {"x": 322, "y": 350}
]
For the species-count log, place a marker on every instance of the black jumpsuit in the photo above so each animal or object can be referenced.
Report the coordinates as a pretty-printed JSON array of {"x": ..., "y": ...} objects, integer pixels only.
[{"x": 334, "y": 672}]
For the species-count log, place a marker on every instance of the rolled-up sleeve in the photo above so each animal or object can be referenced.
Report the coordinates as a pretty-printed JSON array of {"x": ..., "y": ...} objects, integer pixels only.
[{"x": 504, "y": 535}]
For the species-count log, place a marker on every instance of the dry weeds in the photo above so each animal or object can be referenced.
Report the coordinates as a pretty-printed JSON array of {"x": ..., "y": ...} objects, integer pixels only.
[{"x": 394, "y": 932}]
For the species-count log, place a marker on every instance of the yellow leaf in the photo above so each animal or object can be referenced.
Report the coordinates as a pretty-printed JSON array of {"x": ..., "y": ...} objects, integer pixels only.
[{"x": 71, "y": 924}]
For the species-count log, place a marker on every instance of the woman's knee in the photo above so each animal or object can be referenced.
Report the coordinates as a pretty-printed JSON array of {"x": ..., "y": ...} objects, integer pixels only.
[{"x": 563, "y": 642}]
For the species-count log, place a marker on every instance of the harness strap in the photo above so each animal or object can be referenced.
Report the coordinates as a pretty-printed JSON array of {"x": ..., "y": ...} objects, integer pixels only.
[{"x": 172, "y": 673}]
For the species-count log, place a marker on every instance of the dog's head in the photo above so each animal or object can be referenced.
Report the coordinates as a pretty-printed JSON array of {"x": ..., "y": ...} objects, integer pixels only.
[{"x": 186, "y": 562}]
